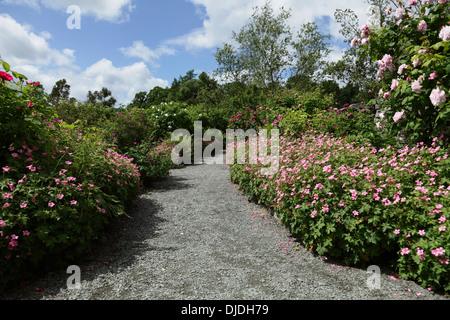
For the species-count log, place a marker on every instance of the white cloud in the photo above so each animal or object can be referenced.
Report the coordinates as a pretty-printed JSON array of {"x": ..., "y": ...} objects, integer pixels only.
[
  {"x": 139, "y": 50},
  {"x": 108, "y": 10},
  {"x": 31, "y": 55},
  {"x": 221, "y": 18},
  {"x": 23, "y": 47}
]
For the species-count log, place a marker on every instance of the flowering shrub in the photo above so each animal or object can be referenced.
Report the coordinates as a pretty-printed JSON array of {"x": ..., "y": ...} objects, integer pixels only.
[
  {"x": 59, "y": 186},
  {"x": 168, "y": 117},
  {"x": 153, "y": 159},
  {"x": 23, "y": 110},
  {"x": 255, "y": 118},
  {"x": 413, "y": 59},
  {"x": 361, "y": 204},
  {"x": 127, "y": 129}
]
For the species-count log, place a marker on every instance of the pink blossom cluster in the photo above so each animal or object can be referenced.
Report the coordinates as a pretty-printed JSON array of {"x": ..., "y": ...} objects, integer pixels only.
[{"x": 311, "y": 165}]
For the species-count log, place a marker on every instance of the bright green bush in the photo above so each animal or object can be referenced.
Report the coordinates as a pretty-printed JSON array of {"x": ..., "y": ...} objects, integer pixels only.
[{"x": 361, "y": 204}]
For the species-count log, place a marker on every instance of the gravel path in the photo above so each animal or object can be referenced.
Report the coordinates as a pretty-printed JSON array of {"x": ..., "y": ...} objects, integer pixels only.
[{"x": 194, "y": 236}]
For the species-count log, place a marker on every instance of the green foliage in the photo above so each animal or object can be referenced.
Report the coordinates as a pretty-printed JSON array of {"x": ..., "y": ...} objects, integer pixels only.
[{"x": 153, "y": 159}]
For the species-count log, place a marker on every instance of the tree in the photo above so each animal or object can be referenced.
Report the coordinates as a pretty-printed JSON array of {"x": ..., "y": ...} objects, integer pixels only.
[
  {"x": 156, "y": 96},
  {"x": 100, "y": 98},
  {"x": 311, "y": 49},
  {"x": 60, "y": 92},
  {"x": 262, "y": 55}
]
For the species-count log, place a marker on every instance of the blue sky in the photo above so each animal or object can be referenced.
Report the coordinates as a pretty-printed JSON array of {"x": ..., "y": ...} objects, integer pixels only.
[{"x": 130, "y": 46}]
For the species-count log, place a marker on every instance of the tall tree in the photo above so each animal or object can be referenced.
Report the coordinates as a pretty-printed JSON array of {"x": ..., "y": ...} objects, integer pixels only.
[
  {"x": 103, "y": 98},
  {"x": 311, "y": 49},
  {"x": 262, "y": 56},
  {"x": 60, "y": 92}
]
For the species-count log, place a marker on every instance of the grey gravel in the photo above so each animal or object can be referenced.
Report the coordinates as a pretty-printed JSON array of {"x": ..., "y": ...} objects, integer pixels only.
[{"x": 194, "y": 236}]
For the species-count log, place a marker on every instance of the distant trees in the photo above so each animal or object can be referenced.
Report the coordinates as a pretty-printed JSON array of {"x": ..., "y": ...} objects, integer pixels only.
[
  {"x": 103, "y": 98},
  {"x": 262, "y": 55},
  {"x": 60, "y": 92}
]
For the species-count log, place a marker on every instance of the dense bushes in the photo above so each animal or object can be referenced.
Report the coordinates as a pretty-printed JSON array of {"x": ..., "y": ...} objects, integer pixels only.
[
  {"x": 350, "y": 186},
  {"x": 62, "y": 184},
  {"x": 361, "y": 204},
  {"x": 413, "y": 69}
]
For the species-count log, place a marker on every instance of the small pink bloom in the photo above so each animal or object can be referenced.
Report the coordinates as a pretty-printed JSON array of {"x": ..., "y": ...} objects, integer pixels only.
[{"x": 404, "y": 251}]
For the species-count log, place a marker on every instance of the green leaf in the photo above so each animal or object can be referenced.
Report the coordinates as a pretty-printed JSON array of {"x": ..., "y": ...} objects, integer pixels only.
[{"x": 6, "y": 66}]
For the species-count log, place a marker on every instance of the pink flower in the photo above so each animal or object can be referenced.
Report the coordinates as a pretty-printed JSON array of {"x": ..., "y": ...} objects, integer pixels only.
[
  {"x": 327, "y": 169},
  {"x": 2, "y": 224},
  {"x": 31, "y": 168},
  {"x": 416, "y": 87},
  {"x": 60, "y": 196},
  {"x": 402, "y": 68},
  {"x": 404, "y": 251},
  {"x": 442, "y": 228},
  {"x": 421, "y": 232},
  {"x": 422, "y": 26},
  {"x": 432, "y": 76},
  {"x": 394, "y": 84},
  {"x": 326, "y": 208},
  {"x": 6, "y": 205},
  {"x": 6, "y": 169},
  {"x": 437, "y": 97},
  {"x": 313, "y": 214},
  {"x": 5, "y": 76},
  {"x": 445, "y": 33},
  {"x": 355, "y": 42},
  {"x": 387, "y": 61},
  {"x": 7, "y": 196},
  {"x": 398, "y": 116},
  {"x": 355, "y": 213},
  {"x": 73, "y": 202},
  {"x": 23, "y": 205},
  {"x": 396, "y": 231},
  {"x": 438, "y": 252},
  {"x": 51, "y": 204},
  {"x": 400, "y": 13}
]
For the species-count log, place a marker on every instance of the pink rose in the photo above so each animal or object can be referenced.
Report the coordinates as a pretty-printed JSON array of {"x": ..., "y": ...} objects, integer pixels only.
[
  {"x": 416, "y": 87},
  {"x": 437, "y": 97},
  {"x": 422, "y": 26},
  {"x": 398, "y": 116},
  {"x": 445, "y": 33}
]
